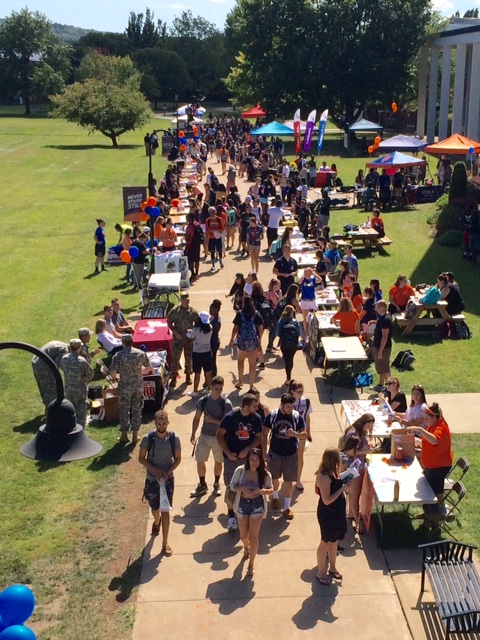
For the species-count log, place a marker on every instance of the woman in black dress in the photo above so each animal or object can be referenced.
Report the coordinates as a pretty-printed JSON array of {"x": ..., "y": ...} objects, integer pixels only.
[{"x": 330, "y": 514}]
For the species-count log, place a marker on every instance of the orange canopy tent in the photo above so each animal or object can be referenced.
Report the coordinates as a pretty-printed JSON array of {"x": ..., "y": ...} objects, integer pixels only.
[
  {"x": 454, "y": 145},
  {"x": 254, "y": 112}
]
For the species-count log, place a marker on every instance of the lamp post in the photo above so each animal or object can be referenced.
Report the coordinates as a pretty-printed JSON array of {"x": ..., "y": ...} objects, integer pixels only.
[{"x": 61, "y": 438}]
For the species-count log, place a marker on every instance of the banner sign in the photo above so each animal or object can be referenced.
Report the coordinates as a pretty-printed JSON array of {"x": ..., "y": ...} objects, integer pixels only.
[
  {"x": 321, "y": 129},
  {"x": 133, "y": 198},
  {"x": 296, "y": 131},
  {"x": 307, "y": 142}
]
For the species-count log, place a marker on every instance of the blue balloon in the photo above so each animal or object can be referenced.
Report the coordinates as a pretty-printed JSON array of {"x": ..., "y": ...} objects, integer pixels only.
[
  {"x": 471, "y": 151},
  {"x": 183, "y": 141},
  {"x": 17, "y": 632},
  {"x": 156, "y": 211},
  {"x": 134, "y": 252},
  {"x": 197, "y": 138},
  {"x": 16, "y": 605},
  {"x": 148, "y": 210}
]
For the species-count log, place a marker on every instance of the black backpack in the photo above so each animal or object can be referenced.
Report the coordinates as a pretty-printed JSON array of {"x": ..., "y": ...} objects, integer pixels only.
[
  {"x": 279, "y": 309},
  {"x": 266, "y": 311},
  {"x": 461, "y": 330},
  {"x": 404, "y": 360},
  {"x": 199, "y": 235},
  {"x": 289, "y": 335}
]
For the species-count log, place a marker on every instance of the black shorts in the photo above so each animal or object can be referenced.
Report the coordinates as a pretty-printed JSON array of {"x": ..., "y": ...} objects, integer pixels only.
[
  {"x": 272, "y": 235},
  {"x": 202, "y": 361},
  {"x": 151, "y": 492},
  {"x": 99, "y": 250}
]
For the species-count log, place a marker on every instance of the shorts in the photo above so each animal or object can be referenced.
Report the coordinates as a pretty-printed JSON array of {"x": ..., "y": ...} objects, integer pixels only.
[
  {"x": 100, "y": 250},
  {"x": 205, "y": 444},
  {"x": 151, "y": 492},
  {"x": 215, "y": 245},
  {"x": 286, "y": 466},
  {"x": 308, "y": 305},
  {"x": 204, "y": 227},
  {"x": 382, "y": 366},
  {"x": 202, "y": 361},
  {"x": 263, "y": 200},
  {"x": 254, "y": 507},
  {"x": 272, "y": 235}
]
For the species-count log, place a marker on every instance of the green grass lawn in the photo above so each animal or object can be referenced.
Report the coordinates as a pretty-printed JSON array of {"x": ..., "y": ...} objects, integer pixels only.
[{"x": 55, "y": 520}]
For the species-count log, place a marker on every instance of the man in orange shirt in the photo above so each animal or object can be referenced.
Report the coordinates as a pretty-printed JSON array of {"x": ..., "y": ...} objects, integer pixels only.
[
  {"x": 400, "y": 294},
  {"x": 215, "y": 227}
]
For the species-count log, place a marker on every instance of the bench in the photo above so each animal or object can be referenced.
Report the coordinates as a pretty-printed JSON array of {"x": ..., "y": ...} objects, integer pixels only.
[
  {"x": 403, "y": 322},
  {"x": 384, "y": 242},
  {"x": 455, "y": 584}
]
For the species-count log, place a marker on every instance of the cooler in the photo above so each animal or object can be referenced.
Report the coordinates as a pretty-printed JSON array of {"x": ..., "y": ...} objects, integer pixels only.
[{"x": 154, "y": 335}]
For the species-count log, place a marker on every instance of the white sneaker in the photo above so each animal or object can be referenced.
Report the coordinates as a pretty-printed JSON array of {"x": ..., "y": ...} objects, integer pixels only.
[
  {"x": 193, "y": 394},
  {"x": 232, "y": 524}
]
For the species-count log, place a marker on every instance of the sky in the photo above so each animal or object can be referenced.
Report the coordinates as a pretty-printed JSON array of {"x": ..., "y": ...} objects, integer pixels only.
[{"x": 112, "y": 15}]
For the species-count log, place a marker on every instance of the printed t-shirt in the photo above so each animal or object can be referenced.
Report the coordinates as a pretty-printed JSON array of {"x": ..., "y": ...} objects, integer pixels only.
[
  {"x": 279, "y": 422},
  {"x": 240, "y": 430},
  {"x": 214, "y": 225}
]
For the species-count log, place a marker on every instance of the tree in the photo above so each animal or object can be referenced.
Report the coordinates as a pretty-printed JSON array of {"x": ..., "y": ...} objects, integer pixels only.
[
  {"x": 107, "y": 97},
  {"x": 194, "y": 27},
  {"x": 169, "y": 70},
  {"x": 142, "y": 31},
  {"x": 27, "y": 41}
]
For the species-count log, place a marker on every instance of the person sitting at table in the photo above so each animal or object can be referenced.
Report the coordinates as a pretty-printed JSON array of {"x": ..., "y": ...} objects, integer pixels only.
[
  {"x": 121, "y": 323},
  {"x": 450, "y": 292},
  {"x": 106, "y": 339},
  {"x": 332, "y": 256},
  {"x": 362, "y": 427},
  {"x": 347, "y": 319},
  {"x": 436, "y": 457},
  {"x": 399, "y": 295},
  {"x": 168, "y": 237},
  {"x": 377, "y": 223},
  {"x": 394, "y": 395},
  {"x": 413, "y": 416},
  {"x": 375, "y": 285}
]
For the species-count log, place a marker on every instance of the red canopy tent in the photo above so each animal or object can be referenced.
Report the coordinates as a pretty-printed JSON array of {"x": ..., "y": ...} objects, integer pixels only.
[
  {"x": 455, "y": 145},
  {"x": 254, "y": 112}
]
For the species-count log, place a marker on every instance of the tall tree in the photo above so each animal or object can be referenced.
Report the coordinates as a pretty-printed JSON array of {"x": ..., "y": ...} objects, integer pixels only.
[
  {"x": 142, "y": 31},
  {"x": 169, "y": 70},
  {"x": 190, "y": 26},
  {"x": 107, "y": 97},
  {"x": 26, "y": 41}
]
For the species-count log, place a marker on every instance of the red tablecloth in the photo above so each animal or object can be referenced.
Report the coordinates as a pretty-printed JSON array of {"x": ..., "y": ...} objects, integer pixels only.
[{"x": 154, "y": 335}]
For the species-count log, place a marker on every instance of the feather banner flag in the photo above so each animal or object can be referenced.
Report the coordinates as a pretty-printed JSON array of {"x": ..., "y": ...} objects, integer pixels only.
[
  {"x": 321, "y": 129},
  {"x": 307, "y": 141},
  {"x": 296, "y": 131}
]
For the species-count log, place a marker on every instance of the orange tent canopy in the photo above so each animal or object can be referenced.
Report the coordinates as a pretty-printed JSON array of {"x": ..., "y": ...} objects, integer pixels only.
[
  {"x": 254, "y": 112},
  {"x": 454, "y": 145}
]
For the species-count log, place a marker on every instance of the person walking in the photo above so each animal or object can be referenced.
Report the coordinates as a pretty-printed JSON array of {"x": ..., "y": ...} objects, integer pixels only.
[
  {"x": 213, "y": 407},
  {"x": 201, "y": 334},
  {"x": 288, "y": 330},
  {"x": 216, "y": 322},
  {"x": 286, "y": 268},
  {"x": 286, "y": 427},
  {"x": 180, "y": 319},
  {"x": 131, "y": 364},
  {"x": 247, "y": 330},
  {"x": 160, "y": 453},
  {"x": 239, "y": 431},
  {"x": 55, "y": 349},
  {"x": 252, "y": 484},
  {"x": 78, "y": 373},
  {"x": 215, "y": 227},
  {"x": 382, "y": 344}
]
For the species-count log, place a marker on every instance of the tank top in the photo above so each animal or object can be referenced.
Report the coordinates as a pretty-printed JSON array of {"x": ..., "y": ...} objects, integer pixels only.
[{"x": 308, "y": 289}]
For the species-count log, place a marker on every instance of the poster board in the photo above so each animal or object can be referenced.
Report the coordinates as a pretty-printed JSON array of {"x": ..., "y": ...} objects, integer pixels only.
[{"x": 133, "y": 198}]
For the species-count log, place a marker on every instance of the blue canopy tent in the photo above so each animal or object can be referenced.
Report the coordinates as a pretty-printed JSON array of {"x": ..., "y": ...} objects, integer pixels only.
[
  {"x": 395, "y": 159},
  {"x": 403, "y": 143},
  {"x": 365, "y": 125},
  {"x": 273, "y": 129}
]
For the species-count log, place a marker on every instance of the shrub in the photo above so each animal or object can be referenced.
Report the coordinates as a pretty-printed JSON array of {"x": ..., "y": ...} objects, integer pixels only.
[
  {"x": 433, "y": 218},
  {"x": 452, "y": 238},
  {"x": 449, "y": 218},
  {"x": 459, "y": 184}
]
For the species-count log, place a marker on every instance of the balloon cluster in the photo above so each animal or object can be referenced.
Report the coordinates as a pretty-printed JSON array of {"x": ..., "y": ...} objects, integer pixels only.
[
  {"x": 182, "y": 140},
  {"x": 150, "y": 208},
  {"x": 394, "y": 107},
  {"x": 371, "y": 149},
  {"x": 471, "y": 151},
  {"x": 16, "y": 606}
]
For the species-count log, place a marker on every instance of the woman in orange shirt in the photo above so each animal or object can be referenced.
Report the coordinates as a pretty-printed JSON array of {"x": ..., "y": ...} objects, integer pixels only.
[
  {"x": 400, "y": 294},
  {"x": 168, "y": 236},
  {"x": 437, "y": 455},
  {"x": 347, "y": 318}
]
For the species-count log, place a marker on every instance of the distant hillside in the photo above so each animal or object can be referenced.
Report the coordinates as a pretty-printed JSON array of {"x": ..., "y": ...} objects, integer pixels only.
[{"x": 70, "y": 34}]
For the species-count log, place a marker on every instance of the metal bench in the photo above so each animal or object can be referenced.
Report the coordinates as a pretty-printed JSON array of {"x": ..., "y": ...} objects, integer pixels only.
[{"x": 455, "y": 584}]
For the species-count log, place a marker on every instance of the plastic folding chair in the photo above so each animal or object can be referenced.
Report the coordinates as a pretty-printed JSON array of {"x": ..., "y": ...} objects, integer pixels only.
[{"x": 464, "y": 465}]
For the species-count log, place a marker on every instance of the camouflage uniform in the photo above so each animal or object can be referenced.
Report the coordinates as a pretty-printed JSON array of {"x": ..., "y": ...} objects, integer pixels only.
[
  {"x": 180, "y": 320},
  {"x": 78, "y": 374},
  {"x": 85, "y": 353},
  {"x": 128, "y": 363},
  {"x": 43, "y": 376}
]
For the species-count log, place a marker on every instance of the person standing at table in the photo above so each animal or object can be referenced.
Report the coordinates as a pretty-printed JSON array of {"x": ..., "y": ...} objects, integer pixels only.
[
  {"x": 139, "y": 260},
  {"x": 286, "y": 268},
  {"x": 180, "y": 319},
  {"x": 100, "y": 245},
  {"x": 132, "y": 364},
  {"x": 43, "y": 375},
  {"x": 78, "y": 373},
  {"x": 382, "y": 344}
]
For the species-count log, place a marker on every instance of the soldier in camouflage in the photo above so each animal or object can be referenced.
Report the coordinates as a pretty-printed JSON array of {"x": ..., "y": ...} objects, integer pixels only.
[
  {"x": 180, "y": 319},
  {"x": 78, "y": 373},
  {"x": 84, "y": 334},
  {"x": 129, "y": 363},
  {"x": 43, "y": 376}
]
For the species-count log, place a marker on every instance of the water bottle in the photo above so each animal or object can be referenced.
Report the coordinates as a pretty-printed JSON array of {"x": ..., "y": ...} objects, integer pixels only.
[
  {"x": 368, "y": 225},
  {"x": 396, "y": 491}
]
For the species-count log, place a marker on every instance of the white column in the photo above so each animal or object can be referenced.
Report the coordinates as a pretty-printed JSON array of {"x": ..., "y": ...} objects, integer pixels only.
[
  {"x": 459, "y": 89},
  {"x": 445, "y": 92},
  {"x": 432, "y": 94},
  {"x": 422, "y": 91},
  {"x": 474, "y": 98}
]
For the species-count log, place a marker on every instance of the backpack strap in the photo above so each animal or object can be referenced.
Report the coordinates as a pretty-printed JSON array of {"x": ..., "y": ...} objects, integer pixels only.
[{"x": 151, "y": 443}]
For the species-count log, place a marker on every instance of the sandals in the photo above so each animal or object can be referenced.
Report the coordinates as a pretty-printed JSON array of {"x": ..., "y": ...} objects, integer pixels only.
[
  {"x": 239, "y": 385},
  {"x": 323, "y": 580},
  {"x": 250, "y": 571},
  {"x": 167, "y": 550},
  {"x": 246, "y": 553},
  {"x": 336, "y": 575},
  {"x": 155, "y": 529}
]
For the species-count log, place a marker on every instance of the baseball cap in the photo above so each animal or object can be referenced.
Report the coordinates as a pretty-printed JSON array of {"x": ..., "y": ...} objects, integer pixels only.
[
  {"x": 204, "y": 317},
  {"x": 184, "y": 296},
  {"x": 248, "y": 198},
  {"x": 75, "y": 343},
  {"x": 84, "y": 332},
  {"x": 146, "y": 229}
]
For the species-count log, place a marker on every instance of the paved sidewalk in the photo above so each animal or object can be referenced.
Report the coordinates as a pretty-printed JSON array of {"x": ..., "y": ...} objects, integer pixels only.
[{"x": 202, "y": 592}]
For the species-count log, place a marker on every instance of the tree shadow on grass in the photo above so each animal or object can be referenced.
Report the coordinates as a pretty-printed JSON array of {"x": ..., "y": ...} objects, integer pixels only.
[
  {"x": 87, "y": 147},
  {"x": 31, "y": 426}
]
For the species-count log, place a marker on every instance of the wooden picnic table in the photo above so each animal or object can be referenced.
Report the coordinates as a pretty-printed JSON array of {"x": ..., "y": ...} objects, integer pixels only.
[
  {"x": 429, "y": 320},
  {"x": 367, "y": 237}
]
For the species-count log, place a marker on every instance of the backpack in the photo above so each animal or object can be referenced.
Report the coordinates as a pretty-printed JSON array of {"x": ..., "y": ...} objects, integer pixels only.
[
  {"x": 198, "y": 234},
  {"x": 274, "y": 415},
  {"x": 432, "y": 296},
  {"x": 289, "y": 335},
  {"x": 248, "y": 329},
  {"x": 266, "y": 311},
  {"x": 460, "y": 331},
  {"x": 204, "y": 402},
  {"x": 231, "y": 217},
  {"x": 151, "y": 443},
  {"x": 404, "y": 360},
  {"x": 362, "y": 380},
  {"x": 348, "y": 228},
  {"x": 214, "y": 183},
  {"x": 279, "y": 309},
  {"x": 410, "y": 310}
]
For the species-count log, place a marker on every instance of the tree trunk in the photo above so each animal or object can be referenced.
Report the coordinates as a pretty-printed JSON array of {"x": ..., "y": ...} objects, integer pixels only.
[{"x": 113, "y": 138}]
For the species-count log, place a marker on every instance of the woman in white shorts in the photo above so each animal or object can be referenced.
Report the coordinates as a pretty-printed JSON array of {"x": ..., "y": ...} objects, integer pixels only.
[{"x": 307, "y": 284}]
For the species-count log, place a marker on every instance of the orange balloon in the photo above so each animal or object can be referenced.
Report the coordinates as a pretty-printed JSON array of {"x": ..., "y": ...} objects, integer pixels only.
[
  {"x": 371, "y": 149},
  {"x": 376, "y": 146},
  {"x": 125, "y": 256},
  {"x": 183, "y": 147},
  {"x": 181, "y": 134},
  {"x": 377, "y": 140},
  {"x": 394, "y": 106},
  {"x": 152, "y": 201},
  {"x": 396, "y": 109},
  {"x": 175, "y": 202},
  {"x": 143, "y": 205}
]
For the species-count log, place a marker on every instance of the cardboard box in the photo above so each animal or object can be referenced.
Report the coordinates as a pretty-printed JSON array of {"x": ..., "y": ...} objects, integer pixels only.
[
  {"x": 110, "y": 399},
  {"x": 401, "y": 438}
]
